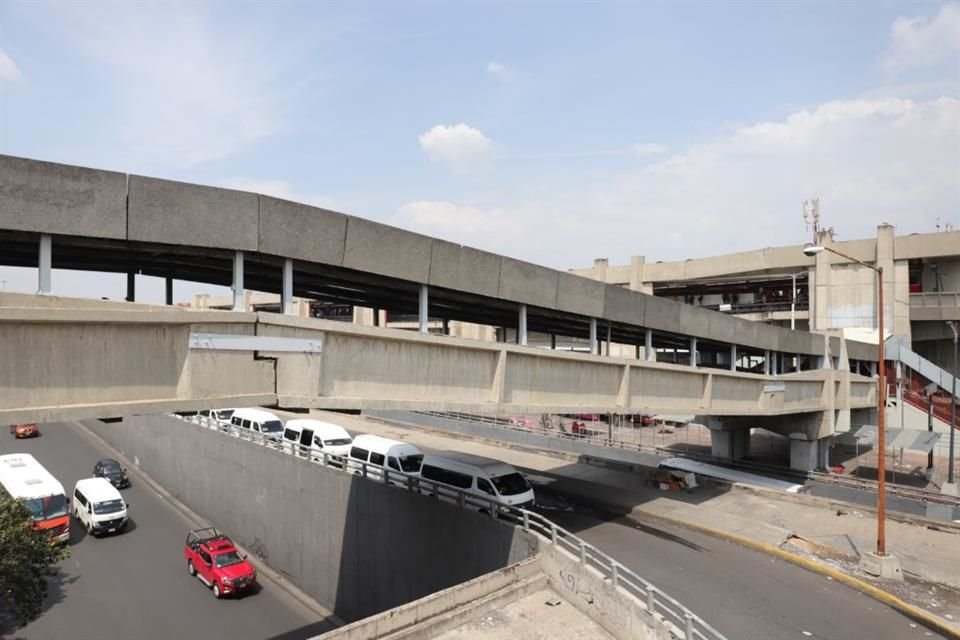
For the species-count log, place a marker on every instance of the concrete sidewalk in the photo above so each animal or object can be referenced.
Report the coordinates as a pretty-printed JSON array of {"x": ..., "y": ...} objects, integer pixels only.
[{"x": 830, "y": 532}]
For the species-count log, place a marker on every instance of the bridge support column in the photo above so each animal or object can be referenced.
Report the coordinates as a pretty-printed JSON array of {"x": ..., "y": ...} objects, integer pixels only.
[
  {"x": 732, "y": 445},
  {"x": 733, "y": 357},
  {"x": 693, "y": 352},
  {"x": 44, "y": 262},
  {"x": 131, "y": 287},
  {"x": 593, "y": 336},
  {"x": 238, "y": 281},
  {"x": 424, "y": 308},
  {"x": 286, "y": 302},
  {"x": 522, "y": 325},
  {"x": 651, "y": 354},
  {"x": 168, "y": 291},
  {"x": 809, "y": 455}
]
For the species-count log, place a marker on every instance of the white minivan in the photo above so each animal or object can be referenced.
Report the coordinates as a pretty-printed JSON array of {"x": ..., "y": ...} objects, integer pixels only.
[
  {"x": 483, "y": 477},
  {"x": 303, "y": 434},
  {"x": 380, "y": 452},
  {"x": 258, "y": 421},
  {"x": 99, "y": 506}
]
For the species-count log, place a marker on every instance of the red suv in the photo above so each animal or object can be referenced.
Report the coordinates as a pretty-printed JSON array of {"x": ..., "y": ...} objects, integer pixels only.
[{"x": 212, "y": 557}]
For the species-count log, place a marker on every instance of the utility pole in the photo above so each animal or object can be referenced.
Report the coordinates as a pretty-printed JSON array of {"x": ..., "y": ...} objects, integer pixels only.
[{"x": 951, "y": 481}]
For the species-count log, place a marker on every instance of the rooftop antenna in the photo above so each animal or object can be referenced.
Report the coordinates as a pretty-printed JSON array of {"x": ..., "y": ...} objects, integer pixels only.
[{"x": 811, "y": 216}]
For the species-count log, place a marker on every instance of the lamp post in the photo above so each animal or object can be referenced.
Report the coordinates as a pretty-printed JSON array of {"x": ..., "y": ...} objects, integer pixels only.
[
  {"x": 813, "y": 250},
  {"x": 953, "y": 404}
]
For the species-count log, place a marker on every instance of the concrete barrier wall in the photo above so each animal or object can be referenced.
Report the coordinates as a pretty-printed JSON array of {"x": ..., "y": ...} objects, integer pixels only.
[
  {"x": 356, "y": 546},
  {"x": 623, "y": 615}
]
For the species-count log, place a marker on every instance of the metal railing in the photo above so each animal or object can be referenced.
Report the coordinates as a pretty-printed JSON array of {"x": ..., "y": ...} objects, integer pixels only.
[
  {"x": 600, "y": 437},
  {"x": 935, "y": 299},
  {"x": 688, "y": 625}
]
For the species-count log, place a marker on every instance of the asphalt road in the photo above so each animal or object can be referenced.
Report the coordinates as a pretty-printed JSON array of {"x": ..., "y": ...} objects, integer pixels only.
[
  {"x": 135, "y": 584},
  {"x": 742, "y": 593}
]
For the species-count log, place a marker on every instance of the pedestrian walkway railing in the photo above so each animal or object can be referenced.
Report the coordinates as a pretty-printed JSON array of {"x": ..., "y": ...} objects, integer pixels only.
[{"x": 686, "y": 625}]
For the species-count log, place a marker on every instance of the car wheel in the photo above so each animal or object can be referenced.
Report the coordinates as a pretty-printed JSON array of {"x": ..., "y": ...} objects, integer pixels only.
[
  {"x": 216, "y": 590},
  {"x": 192, "y": 570}
]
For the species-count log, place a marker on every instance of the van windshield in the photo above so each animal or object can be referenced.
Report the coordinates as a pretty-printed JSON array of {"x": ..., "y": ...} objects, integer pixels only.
[
  {"x": 411, "y": 464},
  {"x": 337, "y": 442},
  {"x": 271, "y": 426},
  {"x": 511, "y": 484},
  {"x": 108, "y": 506}
]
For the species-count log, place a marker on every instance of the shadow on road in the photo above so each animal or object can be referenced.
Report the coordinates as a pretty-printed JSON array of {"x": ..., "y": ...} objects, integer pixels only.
[{"x": 307, "y": 631}]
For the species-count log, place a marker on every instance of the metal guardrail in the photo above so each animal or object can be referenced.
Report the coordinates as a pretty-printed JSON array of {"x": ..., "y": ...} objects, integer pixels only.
[
  {"x": 599, "y": 437},
  {"x": 688, "y": 625}
]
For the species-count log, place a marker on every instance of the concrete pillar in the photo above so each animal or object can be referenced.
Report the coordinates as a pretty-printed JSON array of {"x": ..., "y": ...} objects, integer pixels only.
[
  {"x": 238, "y": 281},
  {"x": 593, "y": 336},
  {"x": 796, "y": 362},
  {"x": 651, "y": 354},
  {"x": 45, "y": 262},
  {"x": 168, "y": 297},
  {"x": 609, "y": 331},
  {"x": 424, "y": 308},
  {"x": 131, "y": 287},
  {"x": 766, "y": 363},
  {"x": 286, "y": 302},
  {"x": 522, "y": 325},
  {"x": 693, "y": 352},
  {"x": 733, "y": 357},
  {"x": 731, "y": 445},
  {"x": 823, "y": 453},
  {"x": 803, "y": 454}
]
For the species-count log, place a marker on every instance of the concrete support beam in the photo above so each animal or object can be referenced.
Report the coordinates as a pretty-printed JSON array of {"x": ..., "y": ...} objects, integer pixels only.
[
  {"x": 733, "y": 357},
  {"x": 131, "y": 287},
  {"x": 522, "y": 325},
  {"x": 693, "y": 352},
  {"x": 238, "y": 281},
  {"x": 286, "y": 297},
  {"x": 168, "y": 292},
  {"x": 424, "y": 308},
  {"x": 766, "y": 363},
  {"x": 651, "y": 354},
  {"x": 609, "y": 332},
  {"x": 593, "y": 336},
  {"x": 804, "y": 454},
  {"x": 732, "y": 445},
  {"x": 44, "y": 263},
  {"x": 796, "y": 362}
]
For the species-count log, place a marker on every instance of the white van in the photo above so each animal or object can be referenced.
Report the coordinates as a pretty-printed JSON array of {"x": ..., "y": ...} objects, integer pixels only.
[
  {"x": 380, "y": 452},
  {"x": 259, "y": 421},
  {"x": 483, "y": 477},
  {"x": 99, "y": 506},
  {"x": 316, "y": 436}
]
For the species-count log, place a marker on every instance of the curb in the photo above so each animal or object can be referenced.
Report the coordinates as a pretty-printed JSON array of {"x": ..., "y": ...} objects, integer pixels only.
[
  {"x": 285, "y": 585},
  {"x": 911, "y": 611}
]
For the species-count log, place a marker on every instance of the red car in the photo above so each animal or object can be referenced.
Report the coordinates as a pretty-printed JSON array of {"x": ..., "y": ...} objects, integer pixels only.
[
  {"x": 24, "y": 430},
  {"x": 212, "y": 557}
]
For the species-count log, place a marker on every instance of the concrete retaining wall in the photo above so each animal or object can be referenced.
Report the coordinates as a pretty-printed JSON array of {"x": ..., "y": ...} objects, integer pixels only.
[{"x": 356, "y": 546}]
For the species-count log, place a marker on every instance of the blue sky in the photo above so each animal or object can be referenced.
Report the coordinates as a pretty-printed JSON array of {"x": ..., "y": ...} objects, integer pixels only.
[{"x": 555, "y": 133}]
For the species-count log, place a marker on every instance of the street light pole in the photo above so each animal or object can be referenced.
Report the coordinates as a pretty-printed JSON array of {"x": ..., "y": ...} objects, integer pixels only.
[
  {"x": 953, "y": 399},
  {"x": 881, "y": 400}
]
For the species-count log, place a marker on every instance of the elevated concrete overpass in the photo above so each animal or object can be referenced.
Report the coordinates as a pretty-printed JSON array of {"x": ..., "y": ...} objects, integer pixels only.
[{"x": 72, "y": 362}]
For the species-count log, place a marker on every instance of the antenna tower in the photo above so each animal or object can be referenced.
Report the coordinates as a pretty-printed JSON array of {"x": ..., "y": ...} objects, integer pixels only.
[{"x": 811, "y": 216}]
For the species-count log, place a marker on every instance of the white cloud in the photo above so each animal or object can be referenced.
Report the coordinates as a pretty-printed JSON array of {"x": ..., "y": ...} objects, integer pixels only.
[
  {"x": 459, "y": 146},
  {"x": 870, "y": 161},
  {"x": 188, "y": 89},
  {"x": 8, "y": 68},
  {"x": 922, "y": 42},
  {"x": 500, "y": 72},
  {"x": 648, "y": 149},
  {"x": 278, "y": 189}
]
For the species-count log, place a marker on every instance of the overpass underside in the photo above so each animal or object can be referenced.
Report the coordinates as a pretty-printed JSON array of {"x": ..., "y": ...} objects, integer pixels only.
[{"x": 59, "y": 360}]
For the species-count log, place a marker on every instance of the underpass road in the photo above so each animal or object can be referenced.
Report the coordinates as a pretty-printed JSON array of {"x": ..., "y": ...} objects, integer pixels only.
[
  {"x": 744, "y": 594},
  {"x": 135, "y": 584}
]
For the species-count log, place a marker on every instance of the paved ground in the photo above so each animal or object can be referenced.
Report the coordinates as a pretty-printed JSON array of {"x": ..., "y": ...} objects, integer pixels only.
[
  {"x": 744, "y": 593},
  {"x": 135, "y": 585},
  {"x": 531, "y": 618}
]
